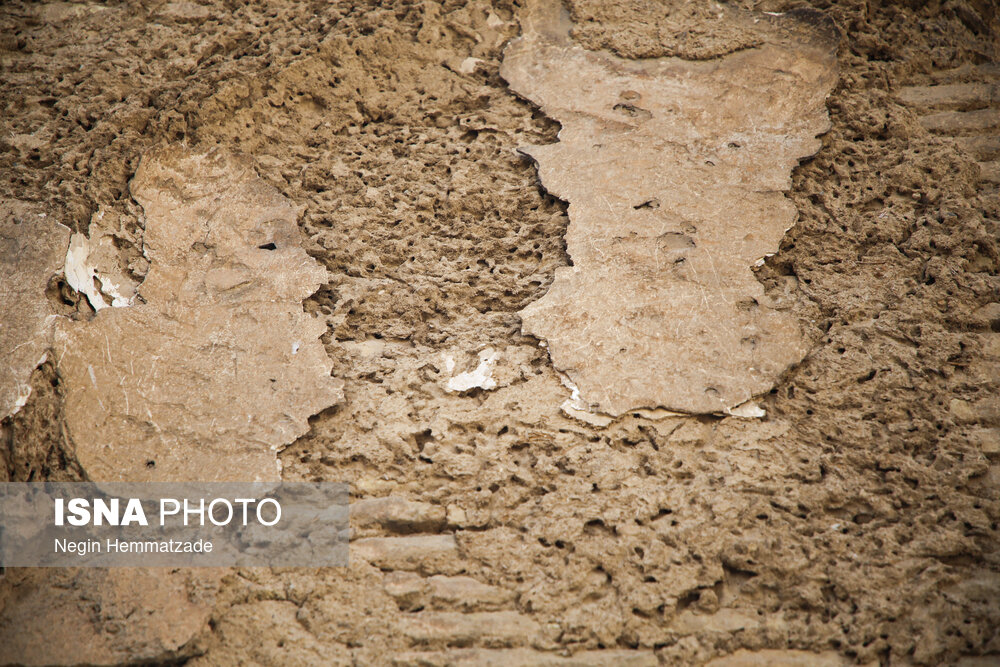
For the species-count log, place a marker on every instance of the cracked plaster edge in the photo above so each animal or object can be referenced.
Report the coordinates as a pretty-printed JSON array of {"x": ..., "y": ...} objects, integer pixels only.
[
  {"x": 80, "y": 275},
  {"x": 579, "y": 409}
]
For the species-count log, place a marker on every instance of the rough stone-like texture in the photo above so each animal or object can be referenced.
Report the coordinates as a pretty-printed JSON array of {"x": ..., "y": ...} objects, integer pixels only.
[
  {"x": 967, "y": 112},
  {"x": 439, "y": 592},
  {"x": 32, "y": 250},
  {"x": 492, "y": 629},
  {"x": 425, "y": 553},
  {"x": 219, "y": 367},
  {"x": 395, "y": 514},
  {"x": 33, "y": 442},
  {"x": 674, "y": 172},
  {"x": 686, "y": 28},
  {"x": 860, "y": 517}
]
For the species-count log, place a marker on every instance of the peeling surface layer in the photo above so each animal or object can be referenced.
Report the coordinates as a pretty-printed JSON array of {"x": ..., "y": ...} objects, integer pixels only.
[
  {"x": 860, "y": 521},
  {"x": 94, "y": 269},
  {"x": 219, "y": 360},
  {"x": 31, "y": 251},
  {"x": 675, "y": 173}
]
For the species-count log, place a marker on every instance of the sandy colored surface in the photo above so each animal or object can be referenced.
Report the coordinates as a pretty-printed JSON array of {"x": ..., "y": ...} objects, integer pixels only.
[
  {"x": 675, "y": 175},
  {"x": 32, "y": 249},
  {"x": 216, "y": 367},
  {"x": 857, "y": 522}
]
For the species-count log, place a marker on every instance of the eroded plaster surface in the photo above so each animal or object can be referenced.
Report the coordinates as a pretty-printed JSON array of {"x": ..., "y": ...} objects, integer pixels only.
[
  {"x": 215, "y": 367},
  {"x": 32, "y": 249},
  {"x": 675, "y": 173}
]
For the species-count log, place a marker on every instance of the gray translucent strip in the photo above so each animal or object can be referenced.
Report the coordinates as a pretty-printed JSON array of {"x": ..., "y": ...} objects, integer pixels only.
[{"x": 312, "y": 530}]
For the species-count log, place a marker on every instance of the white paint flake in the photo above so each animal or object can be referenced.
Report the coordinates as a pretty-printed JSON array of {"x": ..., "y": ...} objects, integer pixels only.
[{"x": 481, "y": 377}]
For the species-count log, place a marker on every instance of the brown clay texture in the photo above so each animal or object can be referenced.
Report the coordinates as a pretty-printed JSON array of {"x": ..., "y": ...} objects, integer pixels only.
[{"x": 858, "y": 522}]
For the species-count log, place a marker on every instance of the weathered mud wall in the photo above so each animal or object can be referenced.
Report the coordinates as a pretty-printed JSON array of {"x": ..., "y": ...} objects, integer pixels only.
[{"x": 857, "y": 522}]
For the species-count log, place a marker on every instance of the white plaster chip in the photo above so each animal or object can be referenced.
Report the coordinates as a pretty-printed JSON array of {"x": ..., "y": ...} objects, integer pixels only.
[{"x": 480, "y": 377}]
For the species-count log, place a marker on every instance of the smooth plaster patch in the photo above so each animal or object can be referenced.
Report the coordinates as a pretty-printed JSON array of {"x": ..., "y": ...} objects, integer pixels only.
[
  {"x": 216, "y": 367},
  {"x": 675, "y": 173},
  {"x": 32, "y": 248}
]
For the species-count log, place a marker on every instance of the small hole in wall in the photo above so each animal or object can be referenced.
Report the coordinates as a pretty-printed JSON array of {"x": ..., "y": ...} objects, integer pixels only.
[
  {"x": 632, "y": 111},
  {"x": 268, "y": 246},
  {"x": 151, "y": 464}
]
